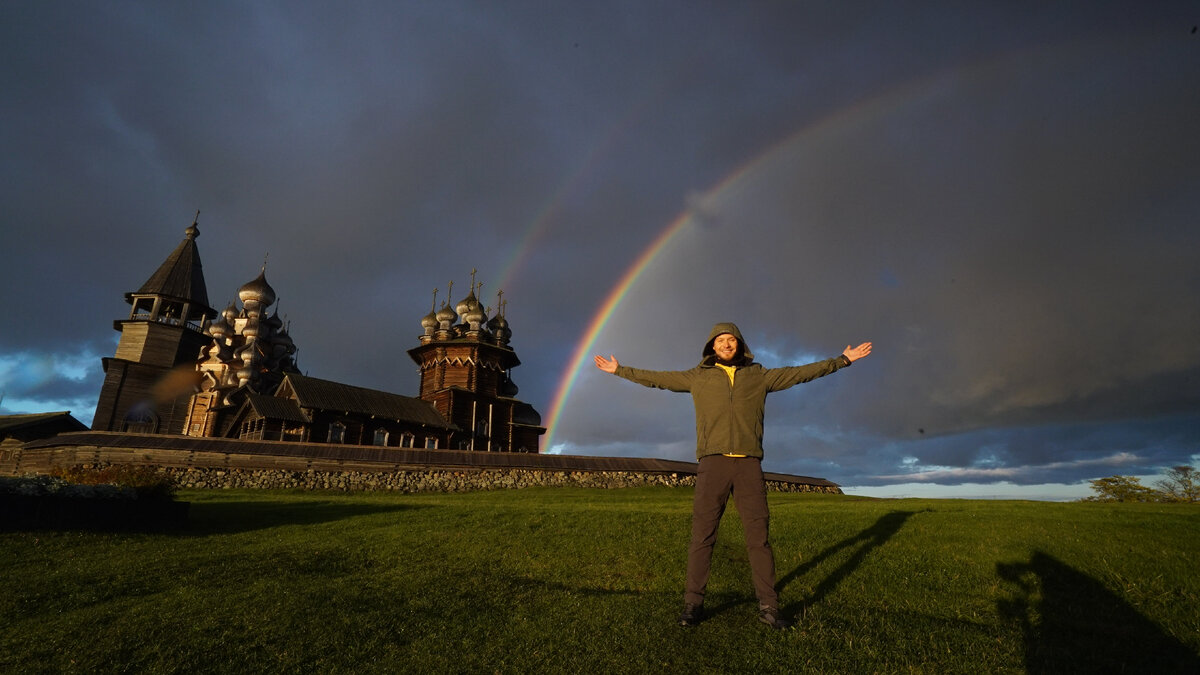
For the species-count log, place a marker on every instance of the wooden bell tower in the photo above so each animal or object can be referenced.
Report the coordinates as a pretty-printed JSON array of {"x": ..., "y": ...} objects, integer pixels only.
[{"x": 149, "y": 380}]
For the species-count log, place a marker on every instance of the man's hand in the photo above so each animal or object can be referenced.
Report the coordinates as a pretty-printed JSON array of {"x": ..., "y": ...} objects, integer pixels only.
[
  {"x": 608, "y": 365},
  {"x": 854, "y": 353}
]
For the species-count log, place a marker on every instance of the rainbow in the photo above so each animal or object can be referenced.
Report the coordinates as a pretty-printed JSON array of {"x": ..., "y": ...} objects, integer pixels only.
[
  {"x": 602, "y": 316},
  {"x": 860, "y": 111}
]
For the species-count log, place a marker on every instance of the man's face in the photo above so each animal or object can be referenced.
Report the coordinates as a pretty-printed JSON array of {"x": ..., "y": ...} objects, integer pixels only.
[{"x": 725, "y": 345}]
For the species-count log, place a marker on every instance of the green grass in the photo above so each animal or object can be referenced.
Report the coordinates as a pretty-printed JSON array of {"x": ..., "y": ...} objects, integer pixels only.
[{"x": 557, "y": 579}]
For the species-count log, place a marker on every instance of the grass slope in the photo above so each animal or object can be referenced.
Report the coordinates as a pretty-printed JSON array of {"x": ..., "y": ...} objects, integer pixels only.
[{"x": 549, "y": 580}]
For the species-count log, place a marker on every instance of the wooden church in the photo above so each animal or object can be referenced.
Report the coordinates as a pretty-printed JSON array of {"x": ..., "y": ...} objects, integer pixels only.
[{"x": 183, "y": 368}]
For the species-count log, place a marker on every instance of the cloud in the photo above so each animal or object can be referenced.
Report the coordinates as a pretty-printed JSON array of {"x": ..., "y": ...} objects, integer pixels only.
[
  {"x": 978, "y": 230},
  {"x": 1002, "y": 200},
  {"x": 49, "y": 376},
  {"x": 957, "y": 475},
  {"x": 50, "y": 382}
]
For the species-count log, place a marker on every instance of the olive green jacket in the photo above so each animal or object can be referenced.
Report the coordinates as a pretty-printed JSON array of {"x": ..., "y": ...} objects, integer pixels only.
[{"x": 729, "y": 418}]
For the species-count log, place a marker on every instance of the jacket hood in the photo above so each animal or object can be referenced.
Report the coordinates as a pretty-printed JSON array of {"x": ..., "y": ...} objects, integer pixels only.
[{"x": 743, "y": 355}]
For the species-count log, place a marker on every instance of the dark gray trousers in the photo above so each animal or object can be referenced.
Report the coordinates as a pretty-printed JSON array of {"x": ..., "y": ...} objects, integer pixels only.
[{"x": 717, "y": 478}]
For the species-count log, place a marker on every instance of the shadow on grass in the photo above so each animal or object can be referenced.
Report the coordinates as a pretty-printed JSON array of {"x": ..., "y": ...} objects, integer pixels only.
[
  {"x": 244, "y": 516},
  {"x": 30, "y": 513},
  {"x": 1073, "y": 624},
  {"x": 871, "y": 538}
]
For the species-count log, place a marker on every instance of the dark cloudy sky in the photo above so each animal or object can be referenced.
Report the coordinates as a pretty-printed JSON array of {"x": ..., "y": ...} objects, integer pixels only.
[{"x": 1003, "y": 197}]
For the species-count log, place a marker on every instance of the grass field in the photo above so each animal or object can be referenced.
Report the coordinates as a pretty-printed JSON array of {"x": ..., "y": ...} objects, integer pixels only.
[{"x": 557, "y": 579}]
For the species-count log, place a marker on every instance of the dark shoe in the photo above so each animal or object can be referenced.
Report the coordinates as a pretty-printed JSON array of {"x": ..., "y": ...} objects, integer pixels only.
[
  {"x": 772, "y": 617},
  {"x": 691, "y": 616}
]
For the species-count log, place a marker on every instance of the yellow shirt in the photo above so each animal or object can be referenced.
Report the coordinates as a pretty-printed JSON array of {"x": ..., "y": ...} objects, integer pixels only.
[{"x": 729, "y": 370}]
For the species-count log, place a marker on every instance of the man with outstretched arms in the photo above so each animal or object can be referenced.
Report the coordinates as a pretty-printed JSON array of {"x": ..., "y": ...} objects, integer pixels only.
[{"x": 729, "y": 391}]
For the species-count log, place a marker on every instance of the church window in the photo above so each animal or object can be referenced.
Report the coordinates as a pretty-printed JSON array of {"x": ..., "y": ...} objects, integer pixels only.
[
  {"x": 430, "y": 443},
  {"x": 381, "y": 437},
  {"x": 142, "y": 307},
  {"x": 141, "y": 420},
  {"x": 337, "y": 433}
]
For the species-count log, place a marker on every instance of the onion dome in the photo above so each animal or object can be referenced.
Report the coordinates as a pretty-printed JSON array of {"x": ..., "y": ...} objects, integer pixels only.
[
  {"x": 446, "y": 316},
  {"x": 220, "y": 328},
  {"x": 250, "y": 330},
  {"x": 273, "y": 323},
  {"x": 244, "y": 354},
  {"x": 499, "y": 327},
  {"x": 230, "y": 313},
  {"x": 509, "y": 388},
  {"x": 244, "y": 375},
  {"x": 475, "y": 316},
  {"x": 466, "y": 304},
  {"x": 213, "y": 351},
  {"x": 471, "y": 311},
  {"x": 258, "y": 291},
  {"x": 429, "y": 322}
]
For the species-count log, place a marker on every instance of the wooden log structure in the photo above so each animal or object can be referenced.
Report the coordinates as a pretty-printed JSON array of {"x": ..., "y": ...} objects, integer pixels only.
[{"x": 98, "y": 447}]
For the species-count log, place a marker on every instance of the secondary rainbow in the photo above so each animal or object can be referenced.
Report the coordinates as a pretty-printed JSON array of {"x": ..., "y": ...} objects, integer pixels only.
[{"x": 545, "y": 216}]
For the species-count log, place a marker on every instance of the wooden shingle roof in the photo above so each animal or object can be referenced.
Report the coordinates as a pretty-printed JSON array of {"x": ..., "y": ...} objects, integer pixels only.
[
  {"x": 180, "y": 276},
  {"x": 273, "y": 407},
  {"x": 311, "y": 392},
  {"x": 13, "y": 423}
]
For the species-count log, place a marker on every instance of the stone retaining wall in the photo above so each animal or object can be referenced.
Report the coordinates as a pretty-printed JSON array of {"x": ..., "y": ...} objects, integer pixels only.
[
  {"x": 205, "y": 463},
  {"x": 435, "y": 480}
]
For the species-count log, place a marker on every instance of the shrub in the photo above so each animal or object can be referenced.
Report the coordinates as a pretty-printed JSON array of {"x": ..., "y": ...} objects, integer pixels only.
[
  {"x": 1182, "y": 484},
  {"x": 1122, "y": 489},
  {"x": 144, "y": 480}
]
